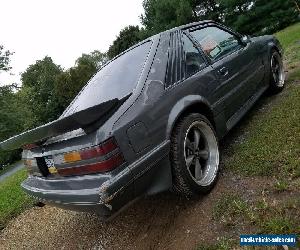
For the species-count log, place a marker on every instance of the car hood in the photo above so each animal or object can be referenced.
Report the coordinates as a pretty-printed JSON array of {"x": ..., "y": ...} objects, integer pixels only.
[{"x": 89, "y": 120}]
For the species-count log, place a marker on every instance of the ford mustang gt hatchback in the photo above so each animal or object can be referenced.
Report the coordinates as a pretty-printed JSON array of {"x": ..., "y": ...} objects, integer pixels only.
[{"x": 150, "y": 119}]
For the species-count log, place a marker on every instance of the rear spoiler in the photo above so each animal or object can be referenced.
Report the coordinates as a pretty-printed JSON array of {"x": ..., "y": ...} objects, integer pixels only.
[{"x": 84, "y": 119}]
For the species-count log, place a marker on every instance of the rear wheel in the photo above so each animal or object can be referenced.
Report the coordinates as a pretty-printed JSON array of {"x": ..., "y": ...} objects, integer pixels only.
[
  {"x": 277, "y": 75},
  {"x": 194, "y": 156}
]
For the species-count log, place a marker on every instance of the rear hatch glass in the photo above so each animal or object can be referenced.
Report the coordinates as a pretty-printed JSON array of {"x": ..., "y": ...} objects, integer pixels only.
[{"x": 116, "y": 80}]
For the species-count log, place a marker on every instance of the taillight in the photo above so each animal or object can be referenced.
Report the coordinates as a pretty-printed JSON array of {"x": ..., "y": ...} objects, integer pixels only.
[
  {"x": 96, "y": 166},
  {"x": 104, "y": 166},
  {"x": 92, "y": 152}
]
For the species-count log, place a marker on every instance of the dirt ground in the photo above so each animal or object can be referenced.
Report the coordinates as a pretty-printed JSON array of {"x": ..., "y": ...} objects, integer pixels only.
[{"x": 161, "y": 222}]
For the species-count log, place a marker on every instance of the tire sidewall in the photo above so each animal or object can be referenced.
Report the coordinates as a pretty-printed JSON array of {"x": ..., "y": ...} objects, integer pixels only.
[
  {"x": 273, "y": 86},
  {"x": 183, "y": 172}
]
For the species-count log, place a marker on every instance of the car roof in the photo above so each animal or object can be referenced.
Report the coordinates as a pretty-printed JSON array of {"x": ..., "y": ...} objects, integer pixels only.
[
  {"x": 182, "y": 27},
  {"x": 191, "y": 25},
  {"x": 156, "y": 36}
]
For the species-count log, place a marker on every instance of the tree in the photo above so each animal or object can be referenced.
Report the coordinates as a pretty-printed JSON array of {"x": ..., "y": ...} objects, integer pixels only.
[
  {"x": 4, "y": 59},
  {"x": 127, "y": 37},
  {"x": 262, "y": 17},
  {"x": 71, "y": 81},
  {"x": 207, "y": 10},
  {"x": 11, "y": 121},
  {"x": 38, "y": 83},
  {"x": 162, "y": 15}
]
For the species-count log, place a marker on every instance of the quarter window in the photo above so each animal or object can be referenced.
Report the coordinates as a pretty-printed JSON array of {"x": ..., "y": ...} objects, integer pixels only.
[
  {"x": 216, "y": 42},
  {"x": 194, "y": 61}
]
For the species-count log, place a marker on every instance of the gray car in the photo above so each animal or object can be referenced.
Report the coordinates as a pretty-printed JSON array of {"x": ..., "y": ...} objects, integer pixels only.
[{"x": 150, "y": 119}]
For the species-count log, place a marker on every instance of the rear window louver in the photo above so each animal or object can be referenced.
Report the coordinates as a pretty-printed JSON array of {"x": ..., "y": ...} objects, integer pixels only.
[{"x": 175, "y": 62}]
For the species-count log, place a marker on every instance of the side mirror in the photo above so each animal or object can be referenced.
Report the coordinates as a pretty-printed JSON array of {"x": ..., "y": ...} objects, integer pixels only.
[{"x": 245, "y": 39}]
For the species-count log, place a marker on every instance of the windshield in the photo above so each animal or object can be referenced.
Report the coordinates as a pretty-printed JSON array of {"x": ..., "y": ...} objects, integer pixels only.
[{"x": 115, "y": 80}]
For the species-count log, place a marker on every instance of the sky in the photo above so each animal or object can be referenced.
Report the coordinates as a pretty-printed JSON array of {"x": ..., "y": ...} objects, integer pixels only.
[{"x": 61, "y": 29}]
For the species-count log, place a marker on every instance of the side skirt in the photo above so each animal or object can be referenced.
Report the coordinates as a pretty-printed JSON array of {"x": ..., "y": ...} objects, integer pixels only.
[{"x": 233, "y": 120}]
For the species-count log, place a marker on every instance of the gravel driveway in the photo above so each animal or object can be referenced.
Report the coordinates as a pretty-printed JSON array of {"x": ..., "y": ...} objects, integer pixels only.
[
  {"x": 164, "y": 221},
  {"x": 160, "y": 222}
]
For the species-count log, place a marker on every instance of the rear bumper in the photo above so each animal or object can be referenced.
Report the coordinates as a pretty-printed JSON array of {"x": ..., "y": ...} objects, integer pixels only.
[
  {"x": 60, "y": 194},
  {"x": 103, "y": 194},
  {"x": 79, "y": 194}
]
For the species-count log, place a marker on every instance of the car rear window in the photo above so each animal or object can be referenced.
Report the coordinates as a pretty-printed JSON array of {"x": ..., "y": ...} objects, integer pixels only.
[{"x": 115, "y": 80}]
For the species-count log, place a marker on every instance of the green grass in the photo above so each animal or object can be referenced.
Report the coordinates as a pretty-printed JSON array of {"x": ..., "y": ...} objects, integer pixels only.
[
  {"x": 267, "y": 215},
  {"x": 278, "y": 225},
  {"x": 222, "y": 244},
  {"x": 229, "y": 205},
  {"x": 272, "y": 144},
  {"x": 289, "y": 36},
  {"x": 281, "y": 185},
  {"x": 12, "y": 199},
  {"x": 290, "y": 40},
  {"x": 230, "y": 208}
]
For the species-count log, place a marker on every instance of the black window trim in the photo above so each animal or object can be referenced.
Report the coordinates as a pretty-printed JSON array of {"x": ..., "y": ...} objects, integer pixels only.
[
  {"x": 182, "y": 59},
  {"x": 204, "y": 57},
  {"x": 108, "y": 62},
  {"x": 210, "y": 60}
]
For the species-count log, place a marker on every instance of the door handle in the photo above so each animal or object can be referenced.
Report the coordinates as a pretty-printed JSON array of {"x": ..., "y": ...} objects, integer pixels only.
[{"x": 223, "y": 71}]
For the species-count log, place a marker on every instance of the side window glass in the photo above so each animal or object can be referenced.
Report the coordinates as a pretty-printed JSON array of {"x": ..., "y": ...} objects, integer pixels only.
[
  {"x": 216, "y": 42},
  {"x": 194, "y": 61}
]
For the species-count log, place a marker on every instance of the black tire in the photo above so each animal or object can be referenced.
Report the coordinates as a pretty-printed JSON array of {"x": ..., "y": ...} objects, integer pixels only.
[
  {"x": 277, "y": 79},
  {"x": 183, "y": 182}
]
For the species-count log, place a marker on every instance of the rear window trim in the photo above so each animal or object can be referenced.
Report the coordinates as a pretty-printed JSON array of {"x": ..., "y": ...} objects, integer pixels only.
[{"x": 116, "y": 57}]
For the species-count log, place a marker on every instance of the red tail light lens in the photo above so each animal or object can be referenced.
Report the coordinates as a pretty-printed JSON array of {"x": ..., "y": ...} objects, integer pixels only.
[
  {"x": 93, "y": 152},
  {"x": 104, "y": 149},
  {"x": 104, "y": 166}
]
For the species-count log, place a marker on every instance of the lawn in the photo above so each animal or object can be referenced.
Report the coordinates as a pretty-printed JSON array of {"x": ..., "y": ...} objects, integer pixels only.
[
  {"x": 267, "y": 152},
  {"x": 12, "y": 199}
]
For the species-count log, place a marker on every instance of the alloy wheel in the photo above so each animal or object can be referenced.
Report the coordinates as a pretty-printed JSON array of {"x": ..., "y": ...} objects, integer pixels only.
[
  {"x": 201, "y": 153},
  {"x": 277, "y": 70}
]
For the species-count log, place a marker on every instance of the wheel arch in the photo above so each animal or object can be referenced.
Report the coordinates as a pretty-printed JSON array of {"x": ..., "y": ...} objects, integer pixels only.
[
  {"x": 272, "y": 45},
  {"x": 188, "y": 105}
]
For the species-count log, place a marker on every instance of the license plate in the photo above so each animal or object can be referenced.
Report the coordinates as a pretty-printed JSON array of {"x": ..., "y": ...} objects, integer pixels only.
[{"x": 50, "y": 164}]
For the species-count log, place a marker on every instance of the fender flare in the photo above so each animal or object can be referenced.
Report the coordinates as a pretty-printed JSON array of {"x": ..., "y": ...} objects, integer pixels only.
[{"x": 181, "y": 106}]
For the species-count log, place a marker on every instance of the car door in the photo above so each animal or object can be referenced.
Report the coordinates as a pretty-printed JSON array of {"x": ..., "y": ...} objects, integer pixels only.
[{"x": 235, "y": 65}]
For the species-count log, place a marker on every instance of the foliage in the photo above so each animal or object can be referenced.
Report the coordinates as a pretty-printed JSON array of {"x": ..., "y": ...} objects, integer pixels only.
[
  {"x": 246, "y": 17},
  {"x": 4, "y": 59},
  {"x": 162, "y": 15},
  {"x": 46, "y": 91},
  {"x": 10, "y": 121},
  {"x": 71, "y": 81},
  {"x": 127, "y": 37},
  {"x": 38, "y": 83}
]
